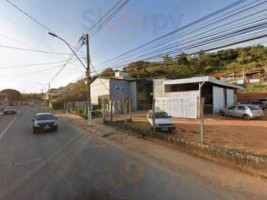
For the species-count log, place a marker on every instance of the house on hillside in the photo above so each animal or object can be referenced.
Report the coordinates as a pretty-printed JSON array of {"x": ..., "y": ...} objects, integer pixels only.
[
  {"x": 251, "y": 77},
  {"x": 120, "y": 88},
  {"x": 181, "y": 97},
  {"x": 3, "y": 101}
]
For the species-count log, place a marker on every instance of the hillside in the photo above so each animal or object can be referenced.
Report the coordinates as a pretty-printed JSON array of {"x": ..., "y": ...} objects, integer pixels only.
[{"x": 182, "y": 66}]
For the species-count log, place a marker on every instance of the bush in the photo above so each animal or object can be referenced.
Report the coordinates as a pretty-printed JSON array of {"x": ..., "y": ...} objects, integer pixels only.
[{"x": 57, "y": 103}]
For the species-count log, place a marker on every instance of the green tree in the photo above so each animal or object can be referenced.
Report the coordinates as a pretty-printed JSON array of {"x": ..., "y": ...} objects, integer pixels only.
[
  {"x": 108, "y": 72},
  {"x": 13, "y": 95}
]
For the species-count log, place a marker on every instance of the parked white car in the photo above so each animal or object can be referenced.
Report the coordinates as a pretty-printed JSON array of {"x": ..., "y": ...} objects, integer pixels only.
[
  {"x": 245, "y": 111},
  {"x": 163, "y": 121}
]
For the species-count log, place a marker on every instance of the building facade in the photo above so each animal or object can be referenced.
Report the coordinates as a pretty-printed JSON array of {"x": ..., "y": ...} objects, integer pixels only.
[
  {"x": 120, "y": 88},
  {"x": 181, "y": 97}
]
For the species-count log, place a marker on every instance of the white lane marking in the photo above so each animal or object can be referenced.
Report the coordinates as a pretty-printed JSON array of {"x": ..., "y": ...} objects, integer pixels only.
[
  {"x": 23, "y": 162},
  {"x": 2, "y": 134}
]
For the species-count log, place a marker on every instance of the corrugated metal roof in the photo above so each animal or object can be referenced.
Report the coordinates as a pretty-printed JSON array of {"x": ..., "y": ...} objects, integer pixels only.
[{"x": 201, "y": 80}]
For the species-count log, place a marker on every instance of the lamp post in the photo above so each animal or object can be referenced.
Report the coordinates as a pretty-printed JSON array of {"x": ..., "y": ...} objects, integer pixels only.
[{"x": 86, "y": 41}]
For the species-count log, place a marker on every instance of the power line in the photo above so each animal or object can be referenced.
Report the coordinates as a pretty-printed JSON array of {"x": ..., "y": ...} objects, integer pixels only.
[
  {"x": 32, "y": 50},
  {"x": 29, "y": 34},
  {"x": 165, "y": 41},
  {"x": 22, "y": 11},
  {"x": 31, "y": 65},
  {"x": 177, "y": 30},
  {"x": 94, "y": 32},
  {"x": 35, "y": 72},
  {"x": 103, "y": 17}
]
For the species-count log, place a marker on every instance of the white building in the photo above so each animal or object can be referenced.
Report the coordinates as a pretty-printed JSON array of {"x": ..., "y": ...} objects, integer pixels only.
[
  {"x": 181, "y": 97},
  {"x": 121, "y": 87}
]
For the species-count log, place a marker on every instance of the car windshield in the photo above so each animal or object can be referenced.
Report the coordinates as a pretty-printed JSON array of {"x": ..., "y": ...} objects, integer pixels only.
[
  {"x": 162, "y": 115},
  {"x": 45, "y": 117},
  {"x": 253, "y": 107}
]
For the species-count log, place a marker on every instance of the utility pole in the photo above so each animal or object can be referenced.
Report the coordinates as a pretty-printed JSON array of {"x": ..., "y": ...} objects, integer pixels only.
[
  {"x": 49, "y": 94},
  {"x": 85, "y": 39},
  {"x": 88, "y": 78}
]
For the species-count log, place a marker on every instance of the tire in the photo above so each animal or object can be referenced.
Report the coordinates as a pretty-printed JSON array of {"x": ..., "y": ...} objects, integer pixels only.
[
  {"x": 222, "y": 113},
  {"x": 34, "y": 131},
  {"x": 246, "y": 117}
]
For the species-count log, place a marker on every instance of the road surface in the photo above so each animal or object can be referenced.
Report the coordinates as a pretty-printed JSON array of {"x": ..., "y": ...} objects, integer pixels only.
[{"x": 73, "y": 164}]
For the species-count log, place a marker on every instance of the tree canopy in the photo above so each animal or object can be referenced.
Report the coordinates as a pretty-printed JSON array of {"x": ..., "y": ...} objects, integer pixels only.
[{"x": 13, "y": 95}]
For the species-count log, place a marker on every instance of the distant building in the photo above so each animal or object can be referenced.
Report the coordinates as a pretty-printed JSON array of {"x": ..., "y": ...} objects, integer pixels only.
[
  {"x": 181, "y": 97},
  {"x": 250, "y": 77},
  {"x": 120, "y": 88},
  {"x": 3, "y": 101}
]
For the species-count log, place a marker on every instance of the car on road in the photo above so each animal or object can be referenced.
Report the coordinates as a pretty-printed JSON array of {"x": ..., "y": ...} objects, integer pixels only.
[
  {"x": 245, "y": 111},
  {"x": 44, "y": 122},
  {"x": 9, "y": 110},
  {"x": 163, "y": 121}
]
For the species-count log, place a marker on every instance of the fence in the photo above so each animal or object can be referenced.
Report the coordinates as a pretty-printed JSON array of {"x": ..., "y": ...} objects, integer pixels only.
[{"x": 121, "y": 111}]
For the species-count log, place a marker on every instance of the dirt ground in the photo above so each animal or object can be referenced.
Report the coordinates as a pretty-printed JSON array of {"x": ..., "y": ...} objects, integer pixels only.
[
  {"x": 232, "y": 133},
  {"x": 241, "y": 185}
]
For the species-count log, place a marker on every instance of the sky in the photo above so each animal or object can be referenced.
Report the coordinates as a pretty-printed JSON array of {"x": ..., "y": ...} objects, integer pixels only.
[{"x": 139, "y": 22}]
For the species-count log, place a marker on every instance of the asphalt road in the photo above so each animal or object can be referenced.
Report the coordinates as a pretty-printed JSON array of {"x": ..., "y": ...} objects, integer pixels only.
[{"x": 72, "y": 164}]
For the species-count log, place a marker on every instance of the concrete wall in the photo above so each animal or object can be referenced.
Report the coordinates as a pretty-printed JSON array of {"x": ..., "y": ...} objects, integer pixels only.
[
  {"x": 99, "y": 87},
  {"x": 121, "y": 90},
  {"x": 179, "y": 104},
  {"x": 158, "y": 88},
  {"x": 230, "y": 97},
  {"x": 218, "y": 99}
]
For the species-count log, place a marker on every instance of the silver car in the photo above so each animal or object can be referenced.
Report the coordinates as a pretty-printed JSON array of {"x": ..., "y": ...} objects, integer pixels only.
[
  {"x": 10, "y": 110},
  {"x": 245, "y": 111}
]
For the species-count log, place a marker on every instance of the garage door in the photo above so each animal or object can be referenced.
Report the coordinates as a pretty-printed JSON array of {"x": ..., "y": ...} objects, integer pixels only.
[{"x": 218, "y": 99}]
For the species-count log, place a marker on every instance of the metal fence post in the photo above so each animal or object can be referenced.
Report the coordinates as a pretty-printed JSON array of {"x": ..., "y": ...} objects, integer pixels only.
[
  {"x": 125, "y": 110},
  {"x": 202, "y": 128},
  {"x": 130, "y": 109},
  {"x": 153, "y": 114},
  {"x": 111, "y": 111},
  {"x": 104, "y": 112}
]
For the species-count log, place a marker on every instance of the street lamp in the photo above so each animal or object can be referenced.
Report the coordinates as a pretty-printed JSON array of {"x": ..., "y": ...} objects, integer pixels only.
[
  {"x": 86, "y": 39},
  {"x": 54, "y": 35}
]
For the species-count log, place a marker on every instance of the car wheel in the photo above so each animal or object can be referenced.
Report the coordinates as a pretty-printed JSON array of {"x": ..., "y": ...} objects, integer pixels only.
[
  {"x": 222, "y": 113},
  {"x": 34, "y": 131},
  {"x": 246, "y": 117}
]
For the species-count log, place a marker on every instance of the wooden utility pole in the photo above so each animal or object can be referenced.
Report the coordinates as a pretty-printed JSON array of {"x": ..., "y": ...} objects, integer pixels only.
[{"x": 88, "y": 78}]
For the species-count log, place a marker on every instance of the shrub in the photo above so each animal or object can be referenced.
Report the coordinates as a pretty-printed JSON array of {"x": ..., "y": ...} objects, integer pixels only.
[{"x": 57, "y": 103}]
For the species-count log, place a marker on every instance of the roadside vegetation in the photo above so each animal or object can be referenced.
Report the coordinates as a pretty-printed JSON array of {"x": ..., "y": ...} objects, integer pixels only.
[{"x": 183, "y": 66}]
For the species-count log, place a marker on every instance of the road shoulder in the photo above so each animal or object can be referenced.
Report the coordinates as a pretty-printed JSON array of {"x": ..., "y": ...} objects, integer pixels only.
[{"x": 205, "y": 172}]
